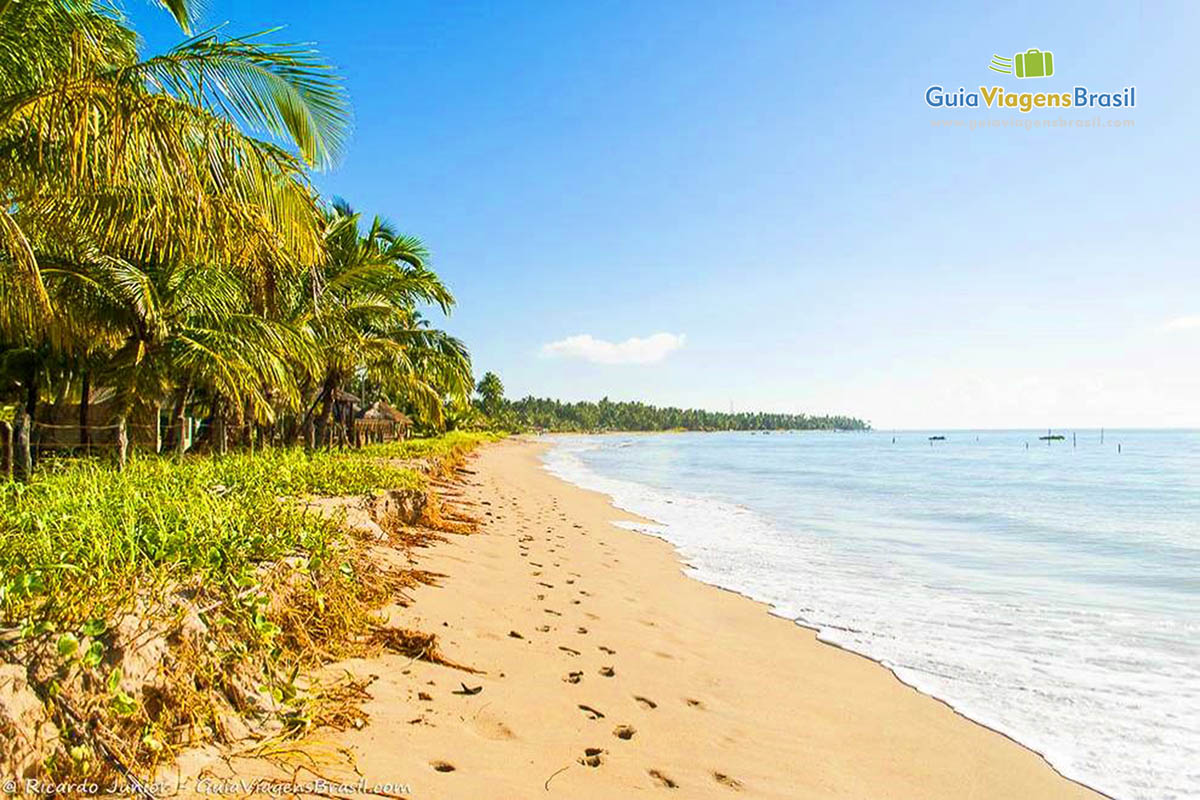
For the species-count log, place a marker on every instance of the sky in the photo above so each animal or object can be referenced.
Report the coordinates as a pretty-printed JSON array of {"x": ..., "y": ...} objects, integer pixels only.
[{"x": 748, "y": 205}]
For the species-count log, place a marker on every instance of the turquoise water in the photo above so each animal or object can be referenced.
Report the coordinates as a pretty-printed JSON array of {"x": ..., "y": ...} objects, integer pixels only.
[{"x": 1049, "y": 591}]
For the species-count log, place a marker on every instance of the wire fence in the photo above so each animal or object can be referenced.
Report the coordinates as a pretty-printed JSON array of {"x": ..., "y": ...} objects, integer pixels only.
[{"x": 47, "y": 439}]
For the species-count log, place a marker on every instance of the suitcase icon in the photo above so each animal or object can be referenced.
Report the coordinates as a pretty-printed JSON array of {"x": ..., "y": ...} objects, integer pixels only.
[{"x": 1034, "y": 63}]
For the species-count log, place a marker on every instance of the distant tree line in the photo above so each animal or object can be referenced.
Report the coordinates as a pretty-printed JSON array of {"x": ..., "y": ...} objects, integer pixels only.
[{"x": 554, "y": 415}]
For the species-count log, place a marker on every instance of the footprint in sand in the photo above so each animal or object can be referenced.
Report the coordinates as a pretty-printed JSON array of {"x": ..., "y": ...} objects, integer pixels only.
[
  {"x": 726, "y": 781},
  {"x": 607, "y": 672},
  {"x": 662, "y": 780},
  {"x": 590, "y": 712},
  {"x": 608, "y": 650},
  {"x": 568, "y": 650},
  {"x": 591, "y": 757},
  {"x": 581, "y": 629},
  {"x": 492, "y": 727},
  {"x": 695, "y": 703},
  {"x": 625, "y": 732},
  {"x": 573, "y": 677},
  {"x": 552, "y": 611},
  {"x": 645, "y": 702},
  {"x": 442, "y": 766}
]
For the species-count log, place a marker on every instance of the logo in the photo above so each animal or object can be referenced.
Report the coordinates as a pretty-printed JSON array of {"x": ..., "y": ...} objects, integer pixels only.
[{"x": 1033, "y": 63}]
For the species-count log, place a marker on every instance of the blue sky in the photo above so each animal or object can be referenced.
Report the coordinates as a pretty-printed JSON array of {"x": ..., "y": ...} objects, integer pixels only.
[{"x": 763, "y": 180}]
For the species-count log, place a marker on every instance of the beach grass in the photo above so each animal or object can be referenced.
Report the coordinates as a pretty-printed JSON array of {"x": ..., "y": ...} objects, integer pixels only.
[
  {"x": 84, "y": 531},
  {"x": 235, "y": 585}
]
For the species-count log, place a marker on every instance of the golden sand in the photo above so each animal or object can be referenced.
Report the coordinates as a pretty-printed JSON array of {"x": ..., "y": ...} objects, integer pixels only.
[{"x": 607, "y": 673}]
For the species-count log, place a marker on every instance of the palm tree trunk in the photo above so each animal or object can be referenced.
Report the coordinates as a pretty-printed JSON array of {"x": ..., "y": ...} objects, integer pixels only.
[
  {"x": 177, "y": 432},
  {"x": 328, "y": 393},
  {"x": 22, "y": 429},
  {"x": 85, "y": 439},
  {"x": 22, "y": 466},
  {"x": 220, "y": 430},
  {"x": 305, "y": 428},
  {"x": 6, "y": 443},
  {"x": 180, "y": 432},
  {"x": 248, "y": 427},
  {"x": 122, "y": 440}
]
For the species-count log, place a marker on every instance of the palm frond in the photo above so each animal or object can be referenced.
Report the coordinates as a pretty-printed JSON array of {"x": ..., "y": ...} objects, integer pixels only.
[{"x": 284, "y": 90}]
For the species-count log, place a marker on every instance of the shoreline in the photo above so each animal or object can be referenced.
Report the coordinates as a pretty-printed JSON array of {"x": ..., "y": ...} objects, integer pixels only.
[
  {"x": 771, "y": 610},
  {"x": 692, "y": 572},
  {"x": 603, "y": 669}
]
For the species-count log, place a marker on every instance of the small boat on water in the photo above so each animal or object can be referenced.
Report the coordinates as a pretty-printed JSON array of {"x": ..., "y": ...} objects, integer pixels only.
[
  {"x": 937, "y": 438},
  {"x": 1057, "y": 437}
]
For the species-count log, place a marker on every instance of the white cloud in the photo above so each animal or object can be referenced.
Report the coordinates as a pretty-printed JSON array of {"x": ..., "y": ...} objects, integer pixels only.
[
  {"x": 1187, "y": 323},
  {"x": 634, "y": 350}
]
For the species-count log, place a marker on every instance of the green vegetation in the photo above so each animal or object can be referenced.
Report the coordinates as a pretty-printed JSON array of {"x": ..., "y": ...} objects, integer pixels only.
[
  {"x": 534, "y": 413},
  {"x": 154, "y": 247},
  {"x": 85, "y": 533},
  {"x": 491, "y": 394},
  {"x": 179, "y": 600},
  {"x": 447, "y": 449}
]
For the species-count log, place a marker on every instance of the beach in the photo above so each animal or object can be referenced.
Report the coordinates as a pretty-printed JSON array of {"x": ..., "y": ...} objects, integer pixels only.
[{"x": 604, "y": 671}]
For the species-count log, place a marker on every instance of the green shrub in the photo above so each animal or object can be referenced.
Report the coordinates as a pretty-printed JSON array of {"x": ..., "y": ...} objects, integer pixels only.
[{"x": 83, "y": 533}]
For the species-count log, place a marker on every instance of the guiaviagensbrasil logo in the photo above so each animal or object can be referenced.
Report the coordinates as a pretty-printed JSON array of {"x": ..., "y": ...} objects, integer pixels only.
[{"x": 1031, "y": 63}]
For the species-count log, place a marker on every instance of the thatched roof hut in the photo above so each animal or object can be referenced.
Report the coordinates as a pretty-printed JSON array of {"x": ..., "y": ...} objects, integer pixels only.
[{"x": 383, "y": 422}]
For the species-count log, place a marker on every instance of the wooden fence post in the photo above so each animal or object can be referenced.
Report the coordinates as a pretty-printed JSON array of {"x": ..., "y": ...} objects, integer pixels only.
[{"x": 158, "y": 432}]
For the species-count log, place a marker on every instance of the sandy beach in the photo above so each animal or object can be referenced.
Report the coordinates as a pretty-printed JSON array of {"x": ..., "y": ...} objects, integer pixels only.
[{"x": 606, "y": 672}]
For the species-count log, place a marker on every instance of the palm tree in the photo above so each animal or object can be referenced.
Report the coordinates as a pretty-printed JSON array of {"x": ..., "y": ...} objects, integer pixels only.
[
  {"x": 188, "y": 327},
  {"x": 361, "y": 309},
  {"x": 491, "y": 389},
  {"x": 145, "y": 165}
]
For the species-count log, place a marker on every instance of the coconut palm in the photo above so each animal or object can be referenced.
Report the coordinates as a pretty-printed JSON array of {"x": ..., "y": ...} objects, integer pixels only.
[
  {"x": 186, "y": 328},
  {"x": 151, "y": 159},
  {"x": 491, "y": 391},
  {"x": 150, "y": 163},
  {"x": 361, "y": 308}
]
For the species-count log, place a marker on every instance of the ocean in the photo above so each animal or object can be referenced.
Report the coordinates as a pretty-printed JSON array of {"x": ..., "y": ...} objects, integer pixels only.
[{"x": 1050, "y": 591}]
